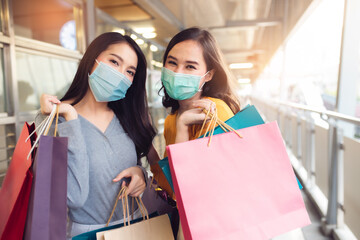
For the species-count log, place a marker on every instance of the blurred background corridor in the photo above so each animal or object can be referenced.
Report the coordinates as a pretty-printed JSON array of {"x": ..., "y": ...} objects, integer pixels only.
[{"x": 297, "y": 61}]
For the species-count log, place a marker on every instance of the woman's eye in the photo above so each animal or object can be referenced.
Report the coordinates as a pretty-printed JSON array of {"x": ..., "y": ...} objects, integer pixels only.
[
  {"x": 114, "y": 62},
  {"x": 171, "y": 62},
  {"x": 131, "y": 73},
  {"x": 190, "y": 67}
]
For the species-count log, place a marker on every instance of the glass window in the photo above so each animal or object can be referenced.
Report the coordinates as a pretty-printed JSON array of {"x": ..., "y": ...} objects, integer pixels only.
[
  {"x": 1, "y": 25},
  {"x": 357, "y": 114},
  {"x": 158, "y": 57},
  {"x": 50, "y": 21},
  {"x": 357, "y": 110},
  {"x": 102, "y": 26},
  {"x": 42, "y": 74},
  {"x": 2, "y": 83},
  {"x": 7, "y": 146},
  {"x": 311, "y": 58}
]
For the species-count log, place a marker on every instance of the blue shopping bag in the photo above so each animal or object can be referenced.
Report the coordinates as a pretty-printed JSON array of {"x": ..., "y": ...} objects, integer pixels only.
[{"x": 247, "y": 117}]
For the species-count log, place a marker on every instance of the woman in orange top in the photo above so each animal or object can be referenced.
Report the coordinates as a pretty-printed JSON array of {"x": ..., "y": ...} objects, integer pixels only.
[{"x": 194, "y": 78}]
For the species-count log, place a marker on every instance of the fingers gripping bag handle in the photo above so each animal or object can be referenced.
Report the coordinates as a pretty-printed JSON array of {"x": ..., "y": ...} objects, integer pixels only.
[{"x": 44, "y": 127}]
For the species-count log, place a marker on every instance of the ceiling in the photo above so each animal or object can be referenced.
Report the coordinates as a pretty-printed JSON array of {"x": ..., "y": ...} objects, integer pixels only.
[{"x": 246, "y": 30}]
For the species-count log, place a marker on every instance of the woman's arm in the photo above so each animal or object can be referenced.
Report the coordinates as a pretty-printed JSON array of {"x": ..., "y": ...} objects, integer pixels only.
[
  {"x": 137, "y": 184},
  {"x": 153, "y": 156},
  {"x": 65, "y": 109},
  {"x": 138, "y": 175},
  {"x": 78, "y": 161}
]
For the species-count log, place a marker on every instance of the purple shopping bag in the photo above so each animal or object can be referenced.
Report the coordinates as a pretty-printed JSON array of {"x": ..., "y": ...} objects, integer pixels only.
[{"x": 47, "y": 206}]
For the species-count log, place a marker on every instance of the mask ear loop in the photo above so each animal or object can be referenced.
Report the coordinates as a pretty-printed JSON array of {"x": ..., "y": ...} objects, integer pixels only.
[
  {"x": 200, "y": 88},
  {"x": 97, "y": 63}
]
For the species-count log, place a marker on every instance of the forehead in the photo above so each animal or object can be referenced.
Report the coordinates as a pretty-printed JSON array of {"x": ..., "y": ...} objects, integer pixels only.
[
  {"x": 124, "y": 50},
  {"x": 187, "y": 50}
]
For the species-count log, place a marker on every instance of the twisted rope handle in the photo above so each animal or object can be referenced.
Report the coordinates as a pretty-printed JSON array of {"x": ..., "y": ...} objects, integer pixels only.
[
  {"x": 44, "y": 127},
  {"x": 211, "y": 127},
  {"x": 51, "y": 120},
  {"x": 125, "y": 206}
]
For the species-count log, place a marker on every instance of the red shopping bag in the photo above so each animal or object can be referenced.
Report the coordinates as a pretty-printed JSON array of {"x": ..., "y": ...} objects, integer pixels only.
[
  {"x": 16, "y": 188},
  {"x": 236, "y": 188}
]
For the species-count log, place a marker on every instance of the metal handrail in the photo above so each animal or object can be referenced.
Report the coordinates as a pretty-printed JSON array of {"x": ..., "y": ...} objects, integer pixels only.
[
  {"x": 332, "y": 114},
  {"x": 333, "y": 213}
]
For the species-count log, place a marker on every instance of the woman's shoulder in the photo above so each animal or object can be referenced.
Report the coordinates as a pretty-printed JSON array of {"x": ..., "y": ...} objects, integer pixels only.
[
  {"x": 217, "y": 101},
  {"x": 170, "y": 119}
]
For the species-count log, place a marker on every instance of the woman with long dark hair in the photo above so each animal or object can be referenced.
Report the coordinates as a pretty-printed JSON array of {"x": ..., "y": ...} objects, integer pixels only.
[
  {"x": 105, "y": 117},
  {"x": 193, "y": 54},
  {"x": 194, "y": 77}
]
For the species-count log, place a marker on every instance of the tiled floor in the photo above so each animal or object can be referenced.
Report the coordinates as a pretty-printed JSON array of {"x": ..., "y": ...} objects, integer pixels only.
[
  {"x": 310, "y": 232},
  {"x": 293, "y": 235},
  {"x": 313, "y": 231}
]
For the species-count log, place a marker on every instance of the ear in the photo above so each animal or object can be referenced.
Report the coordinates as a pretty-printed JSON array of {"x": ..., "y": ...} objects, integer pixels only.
[{"x": 210, "y": 75}]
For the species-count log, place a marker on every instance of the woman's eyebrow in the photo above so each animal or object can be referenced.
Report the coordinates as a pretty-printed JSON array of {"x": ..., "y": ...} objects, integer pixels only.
[
  {"x": 172, "y": 57},
  {"x": 188, "y": 61},
  {"x": 122, "y": 60},
  {"x": 192, "y": 62},
  {"x": 117, "y": 56}
]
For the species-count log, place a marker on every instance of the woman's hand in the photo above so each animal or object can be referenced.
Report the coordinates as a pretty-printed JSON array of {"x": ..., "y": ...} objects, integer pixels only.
[
  {"x": 66, "y": 110},
  {"x": 137, "y": 184},
  {"x": 194, "y": 115}
]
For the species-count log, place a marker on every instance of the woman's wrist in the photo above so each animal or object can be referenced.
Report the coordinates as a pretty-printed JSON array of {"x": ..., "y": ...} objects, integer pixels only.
[
  {"x": 182, "y": 133},
  {"x": 69, "y": 112},
  {"x": 181, "y": 126},
  {"x": 181, "y": 123}
]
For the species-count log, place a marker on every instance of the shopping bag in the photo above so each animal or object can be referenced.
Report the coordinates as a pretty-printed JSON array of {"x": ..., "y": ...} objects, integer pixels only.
[
  {"x": 98, "y": 234},
  {"x": 47, "y": 211},
  {"x": 160, "y": 178},
  {"x": 247, "y": 117},
  {"x": 236, "y": 188},
  {"x": 157, "y": 228},
  {"x": 92, "y": 234},
  {"x": 156, "y": 199},
  {"x": 15, "y": 191}
]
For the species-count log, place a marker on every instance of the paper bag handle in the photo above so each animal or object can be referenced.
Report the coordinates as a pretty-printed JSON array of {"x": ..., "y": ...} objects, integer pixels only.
[
  {"x": 124, "y": 199},
  {"x": 44, "y": 126},
  {"x": 211, "y": 127},
  {"x": 52, "y": 119}
]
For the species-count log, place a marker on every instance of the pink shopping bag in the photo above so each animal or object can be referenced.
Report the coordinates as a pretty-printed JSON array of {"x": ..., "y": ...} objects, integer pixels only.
[{"x": 236, "y": 188}]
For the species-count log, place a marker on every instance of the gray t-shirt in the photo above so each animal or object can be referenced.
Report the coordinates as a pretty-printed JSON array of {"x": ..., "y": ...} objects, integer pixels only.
[{"x": 94, "y": 160}]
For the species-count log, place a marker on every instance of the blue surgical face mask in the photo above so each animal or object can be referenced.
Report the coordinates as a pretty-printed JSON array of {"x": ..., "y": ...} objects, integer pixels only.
[
  {"x": 107, "y": 84},
  {"x": 180, "y": 86}
]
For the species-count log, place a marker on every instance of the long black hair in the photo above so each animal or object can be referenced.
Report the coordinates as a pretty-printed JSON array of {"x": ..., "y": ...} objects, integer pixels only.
[
  {"x": 221, "y": 83},
  {"x": 132, "y": 111}
]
